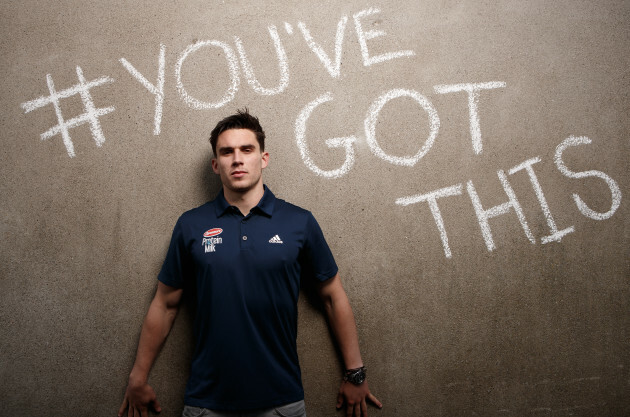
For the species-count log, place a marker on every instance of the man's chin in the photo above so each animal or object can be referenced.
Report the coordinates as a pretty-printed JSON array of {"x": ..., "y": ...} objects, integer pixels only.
[
  {"x": 240, "y": 188},
  {"x": 240, "y": 185}
]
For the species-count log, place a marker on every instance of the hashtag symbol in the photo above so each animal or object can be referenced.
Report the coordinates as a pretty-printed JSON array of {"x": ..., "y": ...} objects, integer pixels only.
[{"x": 90, "y": 116}]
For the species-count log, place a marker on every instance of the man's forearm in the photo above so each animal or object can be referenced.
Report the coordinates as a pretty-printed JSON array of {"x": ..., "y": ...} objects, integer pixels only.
[
  {"x": 156, "y": 326},
  {"x": 344, "y": 328},
  {"x": 139, "y": 396},
  {"x": 354, "y": 394}
]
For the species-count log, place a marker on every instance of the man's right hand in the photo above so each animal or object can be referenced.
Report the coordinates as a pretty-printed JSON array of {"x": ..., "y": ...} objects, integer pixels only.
[
  {"x": 157, "y": 323},
  {"x": 138, "y": 398}
]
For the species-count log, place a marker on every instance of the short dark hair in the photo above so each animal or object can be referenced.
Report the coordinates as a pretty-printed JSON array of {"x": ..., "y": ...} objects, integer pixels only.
[{"x": 241, "y": 120}]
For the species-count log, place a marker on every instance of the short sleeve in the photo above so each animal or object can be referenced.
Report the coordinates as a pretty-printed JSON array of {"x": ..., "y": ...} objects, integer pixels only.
[
  {"x": 319, "y": 260},
  {"x": 175, "y": 267}
]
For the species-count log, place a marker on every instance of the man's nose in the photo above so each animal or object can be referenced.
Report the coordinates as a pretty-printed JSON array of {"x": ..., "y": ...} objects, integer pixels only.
[{"x": 237, "y": 158}]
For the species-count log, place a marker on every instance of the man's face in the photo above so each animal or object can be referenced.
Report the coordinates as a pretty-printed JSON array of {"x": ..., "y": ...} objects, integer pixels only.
[{"x": 239, "y": 160}]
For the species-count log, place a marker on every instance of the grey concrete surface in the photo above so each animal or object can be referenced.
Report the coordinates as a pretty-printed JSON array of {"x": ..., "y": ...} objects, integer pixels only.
[{"x": 440, "y": 225}]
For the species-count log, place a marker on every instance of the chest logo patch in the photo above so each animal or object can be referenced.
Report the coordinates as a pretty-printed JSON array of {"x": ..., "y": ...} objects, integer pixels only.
[
  {"x": 211, "y": 239},
  {"x": 276, "y": 239}
]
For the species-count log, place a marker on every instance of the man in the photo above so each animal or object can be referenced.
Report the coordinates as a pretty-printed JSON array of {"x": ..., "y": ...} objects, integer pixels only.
[{"x": 243, "y": 255}]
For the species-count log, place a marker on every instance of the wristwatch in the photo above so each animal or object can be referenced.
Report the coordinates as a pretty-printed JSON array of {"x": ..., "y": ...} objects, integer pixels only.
[{"x": 355, "y": 376}]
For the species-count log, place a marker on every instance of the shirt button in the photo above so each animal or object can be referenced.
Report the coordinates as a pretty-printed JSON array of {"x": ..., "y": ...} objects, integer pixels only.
[{"x": 244, "y": 237}]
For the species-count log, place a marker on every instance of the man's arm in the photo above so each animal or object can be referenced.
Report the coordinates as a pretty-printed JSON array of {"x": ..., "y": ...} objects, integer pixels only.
[
  {"x": 157, "y": 324},
  {"x": 344, "y": 329}
]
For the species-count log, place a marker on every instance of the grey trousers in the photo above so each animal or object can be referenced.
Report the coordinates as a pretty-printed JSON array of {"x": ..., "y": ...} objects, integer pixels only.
[{"x": 296, "y": 409}]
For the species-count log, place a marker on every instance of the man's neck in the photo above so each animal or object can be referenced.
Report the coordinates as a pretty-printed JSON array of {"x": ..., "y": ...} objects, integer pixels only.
[{"x": 246, "y": 201}]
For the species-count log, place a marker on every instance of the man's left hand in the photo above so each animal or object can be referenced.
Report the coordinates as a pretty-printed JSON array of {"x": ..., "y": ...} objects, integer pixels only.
[{"x": 356, "y": 397}]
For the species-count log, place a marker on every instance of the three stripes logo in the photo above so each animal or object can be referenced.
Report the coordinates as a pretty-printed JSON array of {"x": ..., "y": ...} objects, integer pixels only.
[{"x": 275, "y": 239}]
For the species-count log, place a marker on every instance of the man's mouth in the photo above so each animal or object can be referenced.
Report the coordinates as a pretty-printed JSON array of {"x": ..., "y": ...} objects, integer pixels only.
[{"x": 238, "y": 174}]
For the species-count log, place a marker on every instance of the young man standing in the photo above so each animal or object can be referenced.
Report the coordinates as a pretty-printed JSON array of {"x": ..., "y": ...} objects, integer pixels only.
[{"x": 243, "y": 255}]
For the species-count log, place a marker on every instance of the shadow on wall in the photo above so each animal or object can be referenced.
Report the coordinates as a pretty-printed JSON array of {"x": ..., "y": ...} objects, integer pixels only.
[{"x": 207, "y": 184}]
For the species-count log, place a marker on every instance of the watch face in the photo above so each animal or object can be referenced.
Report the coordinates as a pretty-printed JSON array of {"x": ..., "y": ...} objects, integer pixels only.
[
  {"x": 360, "y": 378},
  {"x": 357, "y": 378}
]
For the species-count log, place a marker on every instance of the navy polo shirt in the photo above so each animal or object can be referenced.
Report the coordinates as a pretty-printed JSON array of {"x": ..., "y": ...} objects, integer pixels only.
[{"x": 245, "y": 273}]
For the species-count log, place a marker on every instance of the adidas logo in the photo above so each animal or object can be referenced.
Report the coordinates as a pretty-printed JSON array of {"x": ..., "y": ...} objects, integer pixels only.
[{"x": 275, "y": 239}]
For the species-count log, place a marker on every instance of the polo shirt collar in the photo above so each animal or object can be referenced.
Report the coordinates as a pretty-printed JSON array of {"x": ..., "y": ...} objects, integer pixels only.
[{"x": 265, "y": 205}]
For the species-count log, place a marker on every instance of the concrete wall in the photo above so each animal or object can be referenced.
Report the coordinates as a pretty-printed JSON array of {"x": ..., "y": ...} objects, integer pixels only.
[{"x": 477, "y": 206}]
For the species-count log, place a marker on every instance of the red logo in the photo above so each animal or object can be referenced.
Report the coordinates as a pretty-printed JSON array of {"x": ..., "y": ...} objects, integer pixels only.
[{"x": 213, "y": 232}]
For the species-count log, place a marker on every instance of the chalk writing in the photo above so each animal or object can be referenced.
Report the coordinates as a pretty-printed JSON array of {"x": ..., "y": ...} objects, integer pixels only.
[
  {"x": 372, "y": 117},
  {"x": 333, "y": 69},
  {"x": 232, "y": 68},
  {"x": 371, "y": 120},
  {"x": 90, "y": 116},
  {"x": 282, "y": 63},
  {"x": 473, "y": 91},
  {"x": 556, "y": 235},
  {"x": 345, "y": 142},
  {"x": 370, "y": 133},
  {"x": 614, "y": 188},
  {"x": 239, "y": 64},
  {"x": 157, "y": 90},
  {"x": 371, "y": 34},
  {"x": 484, "y": 215},
  {"x": 431, "y": 198}
]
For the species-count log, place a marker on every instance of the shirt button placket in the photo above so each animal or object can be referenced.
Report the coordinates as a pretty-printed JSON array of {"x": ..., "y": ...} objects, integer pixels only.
[{"x": 244, "y": 241}]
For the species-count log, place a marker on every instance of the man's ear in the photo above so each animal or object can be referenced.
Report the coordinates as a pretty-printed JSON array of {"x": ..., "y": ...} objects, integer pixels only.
[
  {"x": 265, "y": 159},
  {"x": 215, "y": 165}
]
